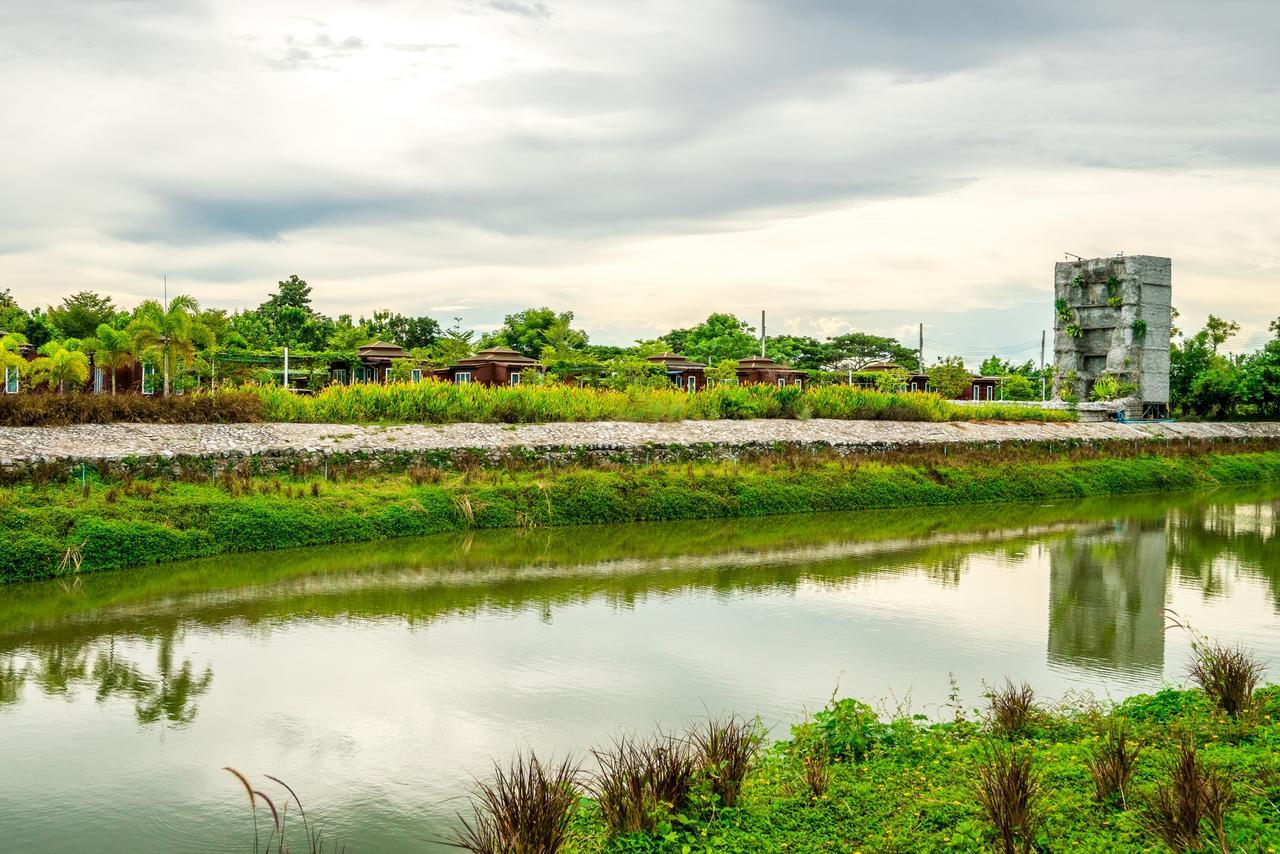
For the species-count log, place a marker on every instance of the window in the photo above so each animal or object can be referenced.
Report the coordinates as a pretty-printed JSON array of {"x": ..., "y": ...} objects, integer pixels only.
[
  {"x": 691, "y": 383},
  {"x": 915, "y": 387},
  {"x": 99, "y": 378},
  {"x": 148, "y": 379},
  {"x": 515, "y": 378},
  {"x": 991, "y": 392},
  {"x": 799, "y": 381},
  {"x": 339, "y": 376},
  {"x": 10, "y": 380},
  {"x": 416, "y": 375},
  {"x": 782, "y": 381},
  {"x": 462, "y": 377}
]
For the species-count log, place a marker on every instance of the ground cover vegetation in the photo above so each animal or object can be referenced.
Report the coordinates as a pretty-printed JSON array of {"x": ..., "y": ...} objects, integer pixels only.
[{"x": 93, "y": 523}]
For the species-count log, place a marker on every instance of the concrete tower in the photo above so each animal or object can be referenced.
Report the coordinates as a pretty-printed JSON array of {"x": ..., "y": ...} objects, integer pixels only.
[{"x": 1113, "y": 316}]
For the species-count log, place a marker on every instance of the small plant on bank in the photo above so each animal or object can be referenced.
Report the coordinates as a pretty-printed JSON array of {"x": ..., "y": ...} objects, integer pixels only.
[
  {"x": 725, "y": 749},
  {"x": 1011, "y": 709},
  {"x": 527, "y": 808},
  {"x": 313, "y": 841},
  {"x": 1139, "y": 329},
  {"x": 1229, "y": 676},
  {"x": 1110, "y": 387},
  {"x": 816, "y": 766},
  {"x": 1114, "y": 299},
  {"x": 639, "y": 781},
  {"x": 1011, "y": 793},
  {"x": 1075, "y": 330},
  {"x": 1112, "y": 763},
  {"x": 1063, "y": 311},
  {"x": 1189, "y": 798}
]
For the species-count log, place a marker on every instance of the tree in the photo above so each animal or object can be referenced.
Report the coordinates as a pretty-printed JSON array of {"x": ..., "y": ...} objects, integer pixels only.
[
  {"x": 950, "y": 378},
  {"x": 718, "y": 338},
  {"x": 289, "y": 320},
  {"x": 11, "y": 358},
  {"x": 293, "y": 292},
  {"x": 58, "y": 365},
  {"x": 40, "y": 329},
  {"x": 561, "y": 341},
  {"x": 409, "y": 332},
  {"x": 172, "y": 333},
  {"x": 1217, "y": 391},
  {"x": 526, "y": 331},
  {"x": 12, "y": 317},
  {"x": 80, "y": 314},
  {"x": 455, "y": 345},
  {"x": 348, "y": 336},
  {"x": 857, "y": 349},
  {"x": 1018, "y": 386},
  {"x": 112, "y": 349},
  {"x": 800, "y": 351},
  {"x": 1261, "y": 380},
  {"x": 1219, "y": 331},
  {"x": 722, "y": 373}
]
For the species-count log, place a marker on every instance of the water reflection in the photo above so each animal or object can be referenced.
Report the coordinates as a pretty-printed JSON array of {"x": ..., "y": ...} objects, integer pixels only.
[{"x": 1106, "y": 592}]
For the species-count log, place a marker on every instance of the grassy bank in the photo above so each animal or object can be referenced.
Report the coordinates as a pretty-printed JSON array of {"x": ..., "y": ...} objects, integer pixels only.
[
  {"x": 445, "y": 403},
  {"x": 50, "y": 530},
  {"x": 1163, "y": 772}
]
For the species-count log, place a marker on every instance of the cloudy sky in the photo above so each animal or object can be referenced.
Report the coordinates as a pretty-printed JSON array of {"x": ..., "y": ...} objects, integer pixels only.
[{"x": 844, "y": 165}]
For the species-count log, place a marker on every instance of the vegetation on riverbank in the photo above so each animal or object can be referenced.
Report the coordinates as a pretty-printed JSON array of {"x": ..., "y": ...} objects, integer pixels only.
[
  {"x": 1170, "y": 771},
  {"x": 434, "y": 402},
  {"x": 52, "y": 530}
]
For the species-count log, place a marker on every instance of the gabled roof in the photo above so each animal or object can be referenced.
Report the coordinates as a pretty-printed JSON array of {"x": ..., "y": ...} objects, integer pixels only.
[
  {"x": 763, "y": 363},
  {"x": 498, "y": 356},
  {"x": 675, "y": 361}
]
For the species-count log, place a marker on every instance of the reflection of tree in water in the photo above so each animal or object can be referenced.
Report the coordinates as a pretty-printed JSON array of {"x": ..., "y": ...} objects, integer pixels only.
[
  {"x": 166, "y": 694},
  {"x": 1206, "y": 543},
  {"x": 1106, "y": 591}
]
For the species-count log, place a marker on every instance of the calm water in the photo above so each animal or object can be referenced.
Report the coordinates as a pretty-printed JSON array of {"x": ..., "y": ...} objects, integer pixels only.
[{"x": 378, "y": 678}]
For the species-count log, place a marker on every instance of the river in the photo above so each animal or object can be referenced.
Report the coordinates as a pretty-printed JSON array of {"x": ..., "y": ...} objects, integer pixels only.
[{"x": 377, "y": 679}]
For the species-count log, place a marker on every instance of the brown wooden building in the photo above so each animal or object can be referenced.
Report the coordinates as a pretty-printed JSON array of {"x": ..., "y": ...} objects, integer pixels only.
[
  {"x": 492, "y": 366},
  {"x": 688, "y": 375},
  {"x": 759, "y": 369}
]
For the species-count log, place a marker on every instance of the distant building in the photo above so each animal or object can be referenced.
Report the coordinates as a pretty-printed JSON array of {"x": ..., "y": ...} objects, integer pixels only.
[
  {"x": 493, "y": 366},
  {"x": 759, "y": 369},
  {"x": 687, "y": 374}
]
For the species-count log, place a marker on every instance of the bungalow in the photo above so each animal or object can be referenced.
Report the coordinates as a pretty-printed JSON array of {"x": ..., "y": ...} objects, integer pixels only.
[
  {"x": 372, "y": 365},
  {"x": 759, "y": 369},
  {"x": 688, "y": 375},
  {"x": 492, "y": 366},
  {"x": 980, "y": 388}
]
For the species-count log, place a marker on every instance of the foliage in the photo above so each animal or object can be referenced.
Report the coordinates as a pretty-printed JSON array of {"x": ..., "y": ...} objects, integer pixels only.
[
  {"x": 640, "y": 781},
  {"x": 1062, "y": 311},
  {"x": 80, "y": 314},
  {"x": 1075, "y": 330},
  {"x": 892, "y": 381},
  {"x": 802, "y": 351},
  {"x": 1108, "y": 386},
  {"x": 1020, "y": 387},
  {"x": 42, "y": 410},
  {"x": 526, "y": 809},
  {"x": 533, "y": 330},
  {"x": 1011, "y": 793},
  {"x": 724, "y": 750},
  {"x": 112, "y": 349},
  {"x": 59, "y": 366},
  {"x": 169, "y": 334},
  {"x": 858, "y": 349},
  {"x": 239, "y": 512},
  {"x": 1229, "y": 676},
  {"x": 11, "y": 346},
  {"x": 718, "y": 338},
  {"x": 950, "y": 378},
  {"x": 1189, "y": 798},
  {"x": 1139, "y": 329},
  {"x": 411, "y": 333},
  {"x": 1113, "y": 762}
]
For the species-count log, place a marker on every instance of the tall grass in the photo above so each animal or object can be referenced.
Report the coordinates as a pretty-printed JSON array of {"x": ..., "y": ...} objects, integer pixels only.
[
  {"x": 640, "y": 780},
  {"x": 1191, "y": 797},
  {"x": 1011, "y": 793},
  {"x": 1012, "y": 709},
  {"x": 526, "y": 809},
  {"x": 434, "y": 402}
]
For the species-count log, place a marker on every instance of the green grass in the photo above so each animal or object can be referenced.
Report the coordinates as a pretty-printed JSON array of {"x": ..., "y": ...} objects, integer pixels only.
[
  {"x": 906, "y": 785},
  {"x": 446, "y": 403},
  {"x": 45, "y": 530}
]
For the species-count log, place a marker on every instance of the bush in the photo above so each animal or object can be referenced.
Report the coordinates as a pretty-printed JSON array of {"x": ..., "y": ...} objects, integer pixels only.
[
  {"x": 1010, "y": 792},
  {"x": 53, "y": 410},
  {"x": 527, "y": 807}
]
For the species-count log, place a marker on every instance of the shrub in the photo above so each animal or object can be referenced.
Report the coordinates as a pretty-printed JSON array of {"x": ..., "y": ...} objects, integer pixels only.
[
  {"x": 1111, "y": 387},
  {"x": 1011, "y": 709},
  {"x": 1011, "y": 794},
  {"x": 725, "y": 748},
  {"x": 1189, "y": 797},
  {"x": 527, "y": 807},
  {"x": 1112, "y": 763},
  {"x": 1228, "y": 675},
  {"x": 639, "y": 780},
  {"x": 49, "y": 410}
]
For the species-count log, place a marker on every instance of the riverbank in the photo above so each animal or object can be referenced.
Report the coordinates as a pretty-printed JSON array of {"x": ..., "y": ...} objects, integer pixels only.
[
  {"x": 101, "y": 523},
  {"x": 848, "y": 780},
  {"x": 269, "y": 447}
]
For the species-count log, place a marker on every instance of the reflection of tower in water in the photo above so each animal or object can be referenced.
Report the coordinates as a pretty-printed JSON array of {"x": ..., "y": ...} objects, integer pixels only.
[{"x": 1106, "y": 589}]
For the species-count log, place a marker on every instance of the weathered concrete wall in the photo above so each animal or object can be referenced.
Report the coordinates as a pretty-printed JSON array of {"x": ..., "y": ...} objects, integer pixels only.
[
  {"x": 1105, "y": 298},
  {"x": 210, "y": 449}
]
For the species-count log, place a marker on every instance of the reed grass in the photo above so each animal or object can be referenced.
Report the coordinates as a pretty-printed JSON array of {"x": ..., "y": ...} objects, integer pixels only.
[
  {"x": 434, "y": 402},
  {"x": 641, "y": 780},
  {"x": 1189, "y": 799},
  {"x": 1011, "y": 709},
  {"x": 527, "y": 808},
  {"x": 725, "y": 749},
  {"x": 1011, "y": 792},
  {"x": 1113, "y": 762}
]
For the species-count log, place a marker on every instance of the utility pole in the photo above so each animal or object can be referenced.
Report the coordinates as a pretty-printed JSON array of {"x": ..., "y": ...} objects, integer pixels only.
[
  {"x": 1042, "y": 337},
  {"x": 922, "y": 348},
  {"x": 286, "y": 367},
  {"x": 762, "y": 333}
]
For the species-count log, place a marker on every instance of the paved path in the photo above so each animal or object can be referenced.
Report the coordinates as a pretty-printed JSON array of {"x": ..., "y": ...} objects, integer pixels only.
[{"x": 115, "y": 441}]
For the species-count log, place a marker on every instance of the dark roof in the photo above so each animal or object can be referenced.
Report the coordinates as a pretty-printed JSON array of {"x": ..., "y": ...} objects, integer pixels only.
[
  {"x": 675, "y": 361},
  {"x": 762, "y": 363},
  {"x": 498, "y": 356},
  {"x": 880, "y": 366},
  {"x": 382, "y": 349}
]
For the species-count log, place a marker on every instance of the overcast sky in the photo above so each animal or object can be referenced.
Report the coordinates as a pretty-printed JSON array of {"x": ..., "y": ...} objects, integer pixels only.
[{"x": 844, "y": 165}]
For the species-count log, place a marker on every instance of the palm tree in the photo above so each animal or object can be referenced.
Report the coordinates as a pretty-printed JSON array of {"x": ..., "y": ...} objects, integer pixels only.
[
  {"x": 112, "y": 350},
  {"x": 171, "y": 331},
  {"x": 11, "y": 354},
  {"x": 59, "y": 365}
]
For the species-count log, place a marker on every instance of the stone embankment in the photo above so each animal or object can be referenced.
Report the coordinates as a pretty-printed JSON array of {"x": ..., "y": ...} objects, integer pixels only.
[{"x": 277, "y": 446}]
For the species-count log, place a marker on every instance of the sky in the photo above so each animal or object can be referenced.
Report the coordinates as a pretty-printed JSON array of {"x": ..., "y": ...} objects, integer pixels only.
[{"x": 842, "y": 165}]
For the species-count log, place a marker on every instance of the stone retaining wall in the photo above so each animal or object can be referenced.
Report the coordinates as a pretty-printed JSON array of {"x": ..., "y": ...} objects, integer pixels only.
[{"x": 167, "y": 449}]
